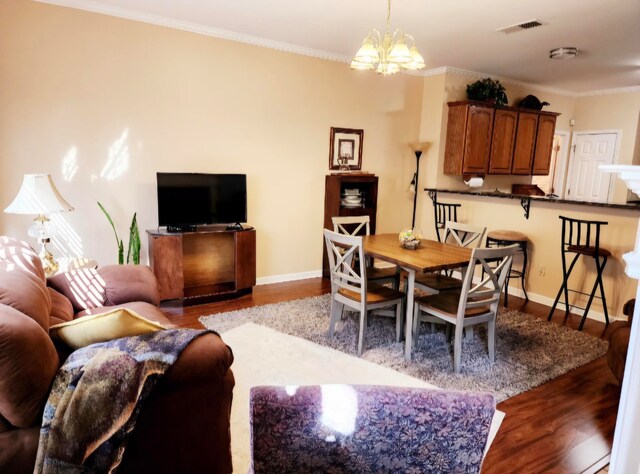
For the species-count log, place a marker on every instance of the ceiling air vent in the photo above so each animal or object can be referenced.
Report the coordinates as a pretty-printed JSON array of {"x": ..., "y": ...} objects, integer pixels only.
[{"x": 525, "y": 25}]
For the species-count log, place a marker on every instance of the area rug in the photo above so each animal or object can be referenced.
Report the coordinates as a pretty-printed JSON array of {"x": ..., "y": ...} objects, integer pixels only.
[
  {"x": 529, "y": 351},
  {"x": 263, "y": 356}
]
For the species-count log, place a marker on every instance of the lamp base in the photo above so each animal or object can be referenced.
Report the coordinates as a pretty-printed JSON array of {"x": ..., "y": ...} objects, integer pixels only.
[{"x": 48, "y": 262}]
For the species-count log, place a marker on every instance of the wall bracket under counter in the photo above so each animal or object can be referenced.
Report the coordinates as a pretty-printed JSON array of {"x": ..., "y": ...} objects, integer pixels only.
[{"x": 525, "y": 201}]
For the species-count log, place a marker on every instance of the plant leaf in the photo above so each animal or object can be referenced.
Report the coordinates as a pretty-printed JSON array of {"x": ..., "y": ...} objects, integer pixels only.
[
  {"x": 115, "y": 233},
  {"x": 133, "y": 252}
]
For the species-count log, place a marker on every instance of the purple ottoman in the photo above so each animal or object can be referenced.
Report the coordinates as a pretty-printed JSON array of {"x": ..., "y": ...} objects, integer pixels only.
[{"x": 365, "y": 429}]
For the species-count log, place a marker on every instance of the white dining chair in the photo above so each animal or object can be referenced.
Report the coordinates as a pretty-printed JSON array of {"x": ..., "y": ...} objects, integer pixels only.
[
  {"x": 353, "y": 225},
  {"x": 350, "y": 287},
  {"x": 474, "y": 303},
  {"x": 455, "y": 233}
]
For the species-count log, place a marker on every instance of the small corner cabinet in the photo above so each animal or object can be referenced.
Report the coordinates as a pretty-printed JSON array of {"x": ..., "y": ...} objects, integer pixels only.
[
  {"x": 483, "y": 139},
  {"x": 337, "y": 186},
  {"x": 208, "y": 264}
]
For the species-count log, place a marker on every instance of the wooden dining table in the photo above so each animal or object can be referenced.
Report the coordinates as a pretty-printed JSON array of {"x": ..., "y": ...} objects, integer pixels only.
[{"x": 430, "y": 256}]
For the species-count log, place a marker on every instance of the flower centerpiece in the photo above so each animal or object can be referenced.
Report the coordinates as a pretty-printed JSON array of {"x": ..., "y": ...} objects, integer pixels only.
[{"x": 410, "y": 238}]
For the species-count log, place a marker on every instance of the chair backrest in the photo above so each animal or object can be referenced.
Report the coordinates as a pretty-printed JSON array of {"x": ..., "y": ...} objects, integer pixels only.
[
  {"x": 346, "y": 257},
  {"x": 351, "y": 225},
  {"x": 444, "y": 212},
  {"x": 581, "y": 233},
  {"x": 464, "y": 235},
  {"x": 487, "y": 291},
  {"x": 368, "y": 428}
]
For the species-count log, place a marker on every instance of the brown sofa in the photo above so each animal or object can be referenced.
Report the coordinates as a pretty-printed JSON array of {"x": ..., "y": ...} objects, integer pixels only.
[
  {"x": 183, "y": 425},
  {"x": 618, "y": 334}
]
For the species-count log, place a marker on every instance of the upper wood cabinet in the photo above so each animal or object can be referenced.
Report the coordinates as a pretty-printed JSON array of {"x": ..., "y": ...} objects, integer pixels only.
[
  {"x": 468, "y": 138},
  {"x": 525, "y": 143},
  {"x": 482, "y": 139},
  {"x": 544, "y": 144},
  {"x": 503, "y": 139}
]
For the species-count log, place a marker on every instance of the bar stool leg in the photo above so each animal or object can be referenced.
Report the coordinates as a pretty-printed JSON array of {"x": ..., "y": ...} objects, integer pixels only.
[
  {"x": 604, "y": 300},
  {"x": 564, "y": 287},
  {"x": 597, "y": 283},
  {"x": 524, "y": 270}
]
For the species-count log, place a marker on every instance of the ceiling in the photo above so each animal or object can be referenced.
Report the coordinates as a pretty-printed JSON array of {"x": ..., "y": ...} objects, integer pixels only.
[{"x": 453, "y": 33}]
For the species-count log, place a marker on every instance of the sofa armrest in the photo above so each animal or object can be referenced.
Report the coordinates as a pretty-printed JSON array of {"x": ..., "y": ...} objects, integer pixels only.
[
  {"x": 126, "y": 283},
  {"x": 628, "y": 309},
  {"x": 185, "y": 422}
]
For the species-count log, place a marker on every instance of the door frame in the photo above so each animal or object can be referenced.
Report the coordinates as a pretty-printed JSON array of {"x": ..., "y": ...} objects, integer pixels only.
[
  {"x": 561, "y": 164},
  {"x": 616, "y": 151}
]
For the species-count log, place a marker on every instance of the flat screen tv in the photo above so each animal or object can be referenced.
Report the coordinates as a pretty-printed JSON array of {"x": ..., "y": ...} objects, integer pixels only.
[{"x": 186, "y": 200}]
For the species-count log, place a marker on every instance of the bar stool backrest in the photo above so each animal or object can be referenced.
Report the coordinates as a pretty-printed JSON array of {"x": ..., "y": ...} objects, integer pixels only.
[
  {"x": 581, "y": 234},
  {"x": 444, "y": 212}
]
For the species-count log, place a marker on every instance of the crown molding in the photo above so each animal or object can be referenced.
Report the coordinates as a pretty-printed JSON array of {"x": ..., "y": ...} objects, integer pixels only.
[
  {"x": 616, "y": 90},
  {"x": 97, "y": 7}
]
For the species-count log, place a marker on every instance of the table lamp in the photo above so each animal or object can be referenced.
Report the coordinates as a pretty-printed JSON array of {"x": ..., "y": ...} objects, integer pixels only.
[{"x": 39, "y": 196}]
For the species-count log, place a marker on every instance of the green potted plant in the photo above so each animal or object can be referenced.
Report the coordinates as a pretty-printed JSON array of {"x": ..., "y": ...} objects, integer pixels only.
[
  {"x": 133, "y": 252},
  {"x": 487, "y": 90}
]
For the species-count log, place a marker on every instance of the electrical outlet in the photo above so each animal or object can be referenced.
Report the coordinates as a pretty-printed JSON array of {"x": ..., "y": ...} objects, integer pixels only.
[{"x": 542, "y": 270}]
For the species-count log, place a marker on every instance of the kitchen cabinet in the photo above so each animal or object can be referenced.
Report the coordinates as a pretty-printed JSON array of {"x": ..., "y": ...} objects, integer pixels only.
[{"x": 482, "y": 139}]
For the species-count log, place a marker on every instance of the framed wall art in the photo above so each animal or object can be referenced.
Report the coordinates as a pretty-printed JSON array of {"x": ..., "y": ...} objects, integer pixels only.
[{"x": 345, "y": 149}]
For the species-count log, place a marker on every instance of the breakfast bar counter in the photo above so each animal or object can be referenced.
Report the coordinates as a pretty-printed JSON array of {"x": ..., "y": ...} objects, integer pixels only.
[{"x": 526, "y": 200}]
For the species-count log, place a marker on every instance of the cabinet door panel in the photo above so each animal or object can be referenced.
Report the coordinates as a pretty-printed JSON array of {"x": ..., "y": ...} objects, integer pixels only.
[
  {"x": 504, "y": 134},
  {"x": 245, "y": 259},
  {"x": 525, "y": 143},
  {"x": 454, "y": 150},
  {"x": 478, "y": 140},
  {"x": 544, "y": 144}
]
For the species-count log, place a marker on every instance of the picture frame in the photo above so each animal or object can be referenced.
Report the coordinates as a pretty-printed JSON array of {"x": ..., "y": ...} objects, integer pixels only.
[{"x": 347, "y": 143}]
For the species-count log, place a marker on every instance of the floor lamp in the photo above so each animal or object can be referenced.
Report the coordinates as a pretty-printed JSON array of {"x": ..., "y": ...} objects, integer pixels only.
[{"x": 418, "y": 149}]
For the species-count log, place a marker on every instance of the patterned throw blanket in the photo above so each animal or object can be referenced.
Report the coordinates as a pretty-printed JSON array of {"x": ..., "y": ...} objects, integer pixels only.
[{"x": 96, "y": 397}]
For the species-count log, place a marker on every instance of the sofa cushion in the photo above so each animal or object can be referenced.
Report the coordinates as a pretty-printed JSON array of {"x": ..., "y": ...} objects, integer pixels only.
[
  {"x": 114, "y": 324},
  {"x": 84, "y": 287},
  {"x": 146, "y": 310},
  {"x": 28, "y": 363},
  {"x": 61, "y": 308},
  {"x": 26, "y": 292},
  {"x": 126, "y": 283},
  {"x": 22, "y": 255}
]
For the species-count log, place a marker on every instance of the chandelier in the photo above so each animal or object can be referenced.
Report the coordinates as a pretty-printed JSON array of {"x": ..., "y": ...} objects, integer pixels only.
[{"x": 389, "y": 53}]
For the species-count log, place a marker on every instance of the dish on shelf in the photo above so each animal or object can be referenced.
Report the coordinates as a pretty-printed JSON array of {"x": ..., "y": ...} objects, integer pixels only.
[
  {"x": 351, "y": 192},
  {"x": 350, "y": 204},
  {"x": 352, "y": 199}
]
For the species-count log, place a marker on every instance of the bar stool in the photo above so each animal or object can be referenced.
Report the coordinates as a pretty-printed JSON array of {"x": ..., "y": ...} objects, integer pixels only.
[
  {"x": 582, "y": 237},
  {"x": 442, "y": 213},
  {"x": 505, "y": 238}
]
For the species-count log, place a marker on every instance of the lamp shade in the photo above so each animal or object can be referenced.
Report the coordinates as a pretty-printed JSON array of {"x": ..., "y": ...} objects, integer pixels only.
[{"x": 38, "y": 195}]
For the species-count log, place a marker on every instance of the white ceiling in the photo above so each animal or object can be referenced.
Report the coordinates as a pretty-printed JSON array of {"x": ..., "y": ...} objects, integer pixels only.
[{"x": 454, "y": 33}]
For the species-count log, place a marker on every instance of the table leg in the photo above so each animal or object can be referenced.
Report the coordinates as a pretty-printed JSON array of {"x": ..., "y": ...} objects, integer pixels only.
[{"x": 408, "y": 339}]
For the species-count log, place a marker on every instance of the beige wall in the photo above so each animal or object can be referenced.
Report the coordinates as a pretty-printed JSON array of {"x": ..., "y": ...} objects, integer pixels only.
[{"x": 118, "y": 100}]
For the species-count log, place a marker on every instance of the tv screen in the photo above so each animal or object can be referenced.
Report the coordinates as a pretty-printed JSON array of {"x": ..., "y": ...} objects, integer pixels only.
[{"x": 199, "y": 198}]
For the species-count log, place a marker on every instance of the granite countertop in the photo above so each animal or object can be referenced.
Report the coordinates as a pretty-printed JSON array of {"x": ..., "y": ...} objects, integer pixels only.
[{"x": 498, "y": 194}]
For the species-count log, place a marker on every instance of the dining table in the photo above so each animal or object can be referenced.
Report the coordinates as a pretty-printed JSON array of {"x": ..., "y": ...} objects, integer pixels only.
[{"x": 429, "y": 256}]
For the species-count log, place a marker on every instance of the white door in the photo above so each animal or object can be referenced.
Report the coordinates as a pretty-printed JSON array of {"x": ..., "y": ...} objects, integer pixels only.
[{"x": 586, "y": 182}]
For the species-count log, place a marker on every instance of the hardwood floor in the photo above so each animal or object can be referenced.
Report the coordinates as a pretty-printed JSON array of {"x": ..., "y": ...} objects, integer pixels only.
[{"x": 563, "y": 426}]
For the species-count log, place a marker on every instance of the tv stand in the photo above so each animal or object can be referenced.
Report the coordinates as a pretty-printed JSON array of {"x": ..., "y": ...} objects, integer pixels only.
[{"x": 204, "y": 265}]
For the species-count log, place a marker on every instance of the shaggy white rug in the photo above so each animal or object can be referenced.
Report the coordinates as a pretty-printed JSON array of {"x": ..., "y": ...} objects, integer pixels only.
[
  {"x": 264, "y": 356},
  {"x": 529, "y": 350}
]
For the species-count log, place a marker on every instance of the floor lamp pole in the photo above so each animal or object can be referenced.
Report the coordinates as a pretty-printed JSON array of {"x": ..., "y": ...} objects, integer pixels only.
[{"x": 415, "y": 195}]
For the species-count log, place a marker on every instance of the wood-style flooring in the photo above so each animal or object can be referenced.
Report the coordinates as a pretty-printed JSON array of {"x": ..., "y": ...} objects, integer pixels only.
[{"x": 563, "y": 426}]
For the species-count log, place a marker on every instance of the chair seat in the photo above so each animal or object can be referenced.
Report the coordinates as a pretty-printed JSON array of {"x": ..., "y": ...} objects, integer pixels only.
[
  {"x": 374, "y": 273},
  {"x": 448, "y": 303},
  {"x": 375, "y": 294},
  {"x": 588, "y": 250},
  {"x": 438, "y": 282},
  {"x": 507, "y": 236}
]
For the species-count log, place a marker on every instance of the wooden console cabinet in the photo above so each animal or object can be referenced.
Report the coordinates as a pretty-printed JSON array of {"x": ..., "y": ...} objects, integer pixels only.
[
  {"x": 210, "y": 263},
  {"x": 483, "y": 139}
]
